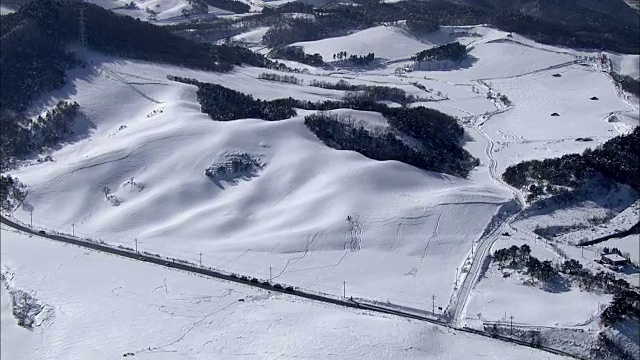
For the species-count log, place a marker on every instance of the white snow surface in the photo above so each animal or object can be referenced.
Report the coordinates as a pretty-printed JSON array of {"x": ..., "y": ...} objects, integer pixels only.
[
  {"x": 416, "y": 229},
  {"x": 144, "y": 138},
  {"x": 122, "y": 306}
]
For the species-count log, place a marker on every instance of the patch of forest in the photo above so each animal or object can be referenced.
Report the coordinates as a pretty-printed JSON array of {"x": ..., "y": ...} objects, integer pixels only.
[
  {"x": 431, "y": 154},
  {"x": 617, "y": 160},
  {"x": 224, "y": 104},
  {"x": 22, "y": 137},
  {"x": 453, "y": 51},
  {"x": 296, "y": 53}
]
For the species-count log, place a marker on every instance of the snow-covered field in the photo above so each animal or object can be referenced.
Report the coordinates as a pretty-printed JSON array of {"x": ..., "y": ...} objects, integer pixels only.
[
  {"x": 136, "y": 170},
  {"x": 124, "y": 307}
]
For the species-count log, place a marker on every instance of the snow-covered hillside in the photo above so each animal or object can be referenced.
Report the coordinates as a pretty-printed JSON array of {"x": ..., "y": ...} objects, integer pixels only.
[
  {"x": 291, "y": 217},
  {"x": 139, "y": 172}
]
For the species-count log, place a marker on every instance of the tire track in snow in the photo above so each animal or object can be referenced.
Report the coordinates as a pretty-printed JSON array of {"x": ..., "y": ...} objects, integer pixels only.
[{"x": 295, "y": 259}]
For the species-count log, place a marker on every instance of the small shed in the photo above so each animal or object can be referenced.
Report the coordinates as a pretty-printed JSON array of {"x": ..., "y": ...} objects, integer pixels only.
[{"x": 614, "y": 259}]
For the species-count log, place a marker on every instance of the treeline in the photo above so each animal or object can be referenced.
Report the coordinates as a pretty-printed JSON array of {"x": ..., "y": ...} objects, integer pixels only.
[
  {"x": 616, "y": 160},
  {"x": 21, "y": 137},
  {"x": 437, "y": 135},
  {"x": 562, "y": 24},
  {"x": 627, "y": 83},
  {"x": 224, "y": 104},
  {"x": 453, "y": 51},
  {"x": 296, "y": 53}
]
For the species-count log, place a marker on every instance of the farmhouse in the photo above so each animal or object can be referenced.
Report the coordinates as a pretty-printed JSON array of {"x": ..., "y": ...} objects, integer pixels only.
[{"x": 613, "y": 259}]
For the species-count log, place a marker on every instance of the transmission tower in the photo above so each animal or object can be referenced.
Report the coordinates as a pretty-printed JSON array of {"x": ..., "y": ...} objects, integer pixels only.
[{"x": 83, "y": 20}]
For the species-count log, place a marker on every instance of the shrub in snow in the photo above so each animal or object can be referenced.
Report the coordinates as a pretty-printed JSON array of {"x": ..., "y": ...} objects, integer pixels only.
[
  {"x": 111, "y": 198},
  {"x": 235, "y": 166}
]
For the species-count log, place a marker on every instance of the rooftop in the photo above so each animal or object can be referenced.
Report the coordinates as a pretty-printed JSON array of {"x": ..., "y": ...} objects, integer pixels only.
[{"x": 614, "y": 257}]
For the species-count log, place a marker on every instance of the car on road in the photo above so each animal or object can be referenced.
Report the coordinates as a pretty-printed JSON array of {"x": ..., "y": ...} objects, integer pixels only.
[{"x": 42, "y": 232}]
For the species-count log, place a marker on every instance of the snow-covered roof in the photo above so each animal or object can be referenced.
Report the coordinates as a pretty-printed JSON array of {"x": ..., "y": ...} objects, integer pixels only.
[{"x": 614, "y": 257}]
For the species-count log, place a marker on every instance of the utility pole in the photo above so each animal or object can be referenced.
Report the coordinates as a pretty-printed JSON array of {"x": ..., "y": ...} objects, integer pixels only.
[
  {"x": 200, "y": 259},
  {"x": 344, "y": 289},
  {"x": 511, "y": 318},
  {"x": 31, "y": 222},
  {"x": 136, "y": 240},
  {"x": 73, "y": 229},
  {"x": 270, "y": 276},
  {"x": 433, "y": 304}
]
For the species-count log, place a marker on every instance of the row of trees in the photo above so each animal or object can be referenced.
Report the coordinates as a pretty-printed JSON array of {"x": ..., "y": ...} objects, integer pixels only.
[
  {"x": 616, "y": 160},
  {"x": 281, "y": 78},
  {"x": 359, "y": 60}
]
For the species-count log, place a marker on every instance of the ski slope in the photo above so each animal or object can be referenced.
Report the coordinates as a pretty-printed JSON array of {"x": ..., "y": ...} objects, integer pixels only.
[{"x": 126, "y": 307}]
